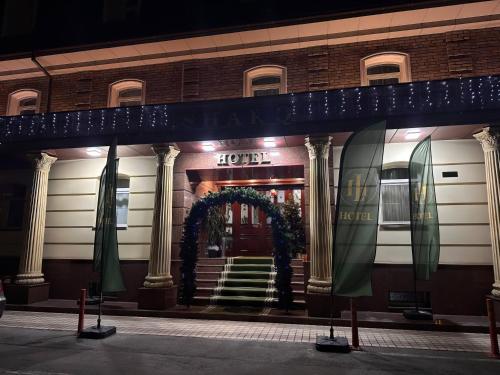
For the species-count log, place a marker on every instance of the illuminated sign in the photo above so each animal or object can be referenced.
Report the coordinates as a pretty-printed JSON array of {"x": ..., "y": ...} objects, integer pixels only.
[{"x": 243, "y": 158}]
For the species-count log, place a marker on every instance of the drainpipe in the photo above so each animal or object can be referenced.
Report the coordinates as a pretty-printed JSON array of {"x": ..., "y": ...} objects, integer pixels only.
[{"x": 46, "y": 73}]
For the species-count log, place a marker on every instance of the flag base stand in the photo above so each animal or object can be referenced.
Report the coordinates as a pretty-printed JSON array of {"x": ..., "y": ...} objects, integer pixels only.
[
  {"x": 335, "y": 345},
  {"x": 97, "y": 333},
  {"x": 417, "y": 315}
]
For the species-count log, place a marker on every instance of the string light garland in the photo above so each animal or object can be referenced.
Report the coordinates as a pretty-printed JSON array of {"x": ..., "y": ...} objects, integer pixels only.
[{"x": 453, "y": 96}]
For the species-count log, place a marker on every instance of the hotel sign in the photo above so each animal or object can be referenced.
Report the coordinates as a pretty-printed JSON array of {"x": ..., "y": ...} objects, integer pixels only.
[{"x": 243, "y": 158}]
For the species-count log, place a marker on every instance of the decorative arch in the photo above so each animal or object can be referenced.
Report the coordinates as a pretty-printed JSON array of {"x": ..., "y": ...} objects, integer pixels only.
[
  {"x": 18, "y": 97},
  {"x": 262, "y": 71},
  {"x": 402, "y": 60},
  {"x": 122, "y": 86},
  {"x": 281, "y": 240}
]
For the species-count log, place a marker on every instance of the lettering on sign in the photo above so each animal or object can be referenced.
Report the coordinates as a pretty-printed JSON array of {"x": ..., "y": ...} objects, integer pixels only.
[{"x": 243, "y": 158}]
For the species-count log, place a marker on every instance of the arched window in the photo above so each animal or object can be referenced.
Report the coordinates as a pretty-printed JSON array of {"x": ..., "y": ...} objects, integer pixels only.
[
  {"x": 395, "y": 196},
  {"x": 264, "y": 80},
  {"x": 23, "y": 102},
  {"x": 126, "y": 93},
  {"x": 385, "y": 69}
]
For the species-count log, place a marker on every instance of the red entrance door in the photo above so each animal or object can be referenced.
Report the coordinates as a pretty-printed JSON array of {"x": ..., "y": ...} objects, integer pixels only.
[{"x": 250, "y": 228}]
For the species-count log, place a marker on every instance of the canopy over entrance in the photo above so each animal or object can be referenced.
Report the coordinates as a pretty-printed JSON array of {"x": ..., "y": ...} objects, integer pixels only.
[{"x": 430, "y": 103}]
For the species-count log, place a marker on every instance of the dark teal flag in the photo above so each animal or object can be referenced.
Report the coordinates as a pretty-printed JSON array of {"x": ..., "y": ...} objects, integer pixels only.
[
  {"x": 423, "y": 212},
  {"x": 106, "y": 259},
  {"x": 356, "y": 220}
]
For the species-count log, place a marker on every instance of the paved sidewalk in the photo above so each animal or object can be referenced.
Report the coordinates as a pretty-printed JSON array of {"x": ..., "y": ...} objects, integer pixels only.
[{"x": 232, "y": 330}]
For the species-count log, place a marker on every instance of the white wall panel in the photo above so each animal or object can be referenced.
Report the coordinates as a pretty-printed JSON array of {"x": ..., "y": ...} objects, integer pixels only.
[
  {"x": 142, "y": 184},
  {"x": 461, "y": 194},
  {"x": 138, "y": 166},
  {"x": 140, "y": 201},
  {"x": 71, "y": 203},
  {"x": 140, "y": 217},
  {"x": 450, "y": 235},
  {"x": 473, "y": 214},
  {"x": 71, "y": 218},
  {"x": 453, "y": 255},
  {"x": 84, "y": 168},
  {"x": 467, "y": 173},
  {"x": 71, "y": 251},
  {"x": 80, "y": 186},
  {"x": 84, "y": 236}
]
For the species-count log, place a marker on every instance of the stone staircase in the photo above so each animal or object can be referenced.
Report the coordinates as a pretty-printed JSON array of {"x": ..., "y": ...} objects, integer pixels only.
[{"x": 243, "y": 281}]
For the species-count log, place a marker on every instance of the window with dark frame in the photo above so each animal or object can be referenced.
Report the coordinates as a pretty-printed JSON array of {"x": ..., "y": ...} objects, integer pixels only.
[
  {"x": 394, "y": 197},
  {"x": 12, "y": 202}
]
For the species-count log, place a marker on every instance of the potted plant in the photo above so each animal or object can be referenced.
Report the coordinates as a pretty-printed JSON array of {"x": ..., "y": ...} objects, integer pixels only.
[
  {"x": 291, "y": 213},
  {"x": 216, "y": 225}
]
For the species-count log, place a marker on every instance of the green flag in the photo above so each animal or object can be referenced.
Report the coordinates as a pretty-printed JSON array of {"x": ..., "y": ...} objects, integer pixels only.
[
  {"x": 423, "y": 212},
  {"x": 106, "y": 260},
  {"x": 356, "y": 218}
]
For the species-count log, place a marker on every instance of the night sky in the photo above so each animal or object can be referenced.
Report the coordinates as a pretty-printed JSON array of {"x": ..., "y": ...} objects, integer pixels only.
[{"x": 41, "y": 25}]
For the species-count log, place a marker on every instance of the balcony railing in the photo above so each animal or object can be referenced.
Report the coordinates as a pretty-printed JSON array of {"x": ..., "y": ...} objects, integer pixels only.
[{"x": 443, "y": 102}]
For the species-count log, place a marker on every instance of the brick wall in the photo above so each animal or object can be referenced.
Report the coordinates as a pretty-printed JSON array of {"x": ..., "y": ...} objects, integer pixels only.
[{"x": 437, "y": 56}]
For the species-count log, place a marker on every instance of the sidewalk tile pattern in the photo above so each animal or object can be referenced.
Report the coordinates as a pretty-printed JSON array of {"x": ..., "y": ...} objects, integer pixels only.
[{"x": 235, "y": 330}]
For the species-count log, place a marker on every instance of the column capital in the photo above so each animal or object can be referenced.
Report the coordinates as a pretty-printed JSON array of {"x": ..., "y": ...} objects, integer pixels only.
[
  {"x": 165, "y": 154},
  {"x": 42, "y": 161},
  {"x": 489, "y": 138},
  {"x": 318, "y": 146}
]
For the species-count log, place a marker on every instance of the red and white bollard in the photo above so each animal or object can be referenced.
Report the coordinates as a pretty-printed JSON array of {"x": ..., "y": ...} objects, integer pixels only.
[
  {"x": 354, "y": 325},
  {"x": 81, "y": 313}
]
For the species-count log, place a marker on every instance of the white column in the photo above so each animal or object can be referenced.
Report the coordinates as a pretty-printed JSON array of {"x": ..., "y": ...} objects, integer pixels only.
[
  {"x": 30, "y": 266},
  {"x": 320, "y": 223},
  {"x": 161, "y": 236},
  {"x": 490, "y": 141}
]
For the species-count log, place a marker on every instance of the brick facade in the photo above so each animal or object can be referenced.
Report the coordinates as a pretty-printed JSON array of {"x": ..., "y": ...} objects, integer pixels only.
[{"x": 434, "y": 56}]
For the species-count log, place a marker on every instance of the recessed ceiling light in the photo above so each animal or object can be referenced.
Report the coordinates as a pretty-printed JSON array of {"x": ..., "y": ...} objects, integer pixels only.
[
  {"x": 269, "y": 144},
  {"x": 269, "y": 139},
  {"x": 93, "y": 151},
  {"x": 207, "y": 147},
  {"x": 412, "y": 134}
]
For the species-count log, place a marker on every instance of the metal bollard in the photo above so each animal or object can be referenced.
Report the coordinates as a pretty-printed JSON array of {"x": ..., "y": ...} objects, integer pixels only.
[
  {"x": 493, "y": 331},
  {"x": 354, "y": 325},
  {"x": 81, "y": 313}
]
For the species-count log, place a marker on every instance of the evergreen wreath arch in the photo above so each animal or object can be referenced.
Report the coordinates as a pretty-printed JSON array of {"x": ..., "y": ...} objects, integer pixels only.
[{"x": 281, "y": 241}]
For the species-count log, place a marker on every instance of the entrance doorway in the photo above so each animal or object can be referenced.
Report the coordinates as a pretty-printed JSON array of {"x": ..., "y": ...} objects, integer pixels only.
[{"x": 249, "y": 230}]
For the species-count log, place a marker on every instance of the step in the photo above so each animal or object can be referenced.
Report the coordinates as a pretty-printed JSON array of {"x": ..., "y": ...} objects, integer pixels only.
[
  {"x": 245, "y": 291},
  {"x": 209, "y": 268},
  {"x": 204, "y": 291},
  {"x": 206, "y": 283},
  {"x": 248, "y": 275},
  {"x": 253, "y": 283},
  {"x": 204, "y": 275},
  {"x": 212, "y": 261},
  {"x": 241, "y": 301},
  {"x": 206, "y": 300},
  {"x": 252, "y": 267},
  {"x": 253, "y": 260}
]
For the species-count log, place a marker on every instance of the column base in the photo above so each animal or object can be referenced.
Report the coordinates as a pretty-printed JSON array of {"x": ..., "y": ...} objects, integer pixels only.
[
  {"x": 496, "y": 290},
  {"x": 25, "y": 294},
  {"x": 318, "y": 305},
  {"x": 157, "y": 298}
]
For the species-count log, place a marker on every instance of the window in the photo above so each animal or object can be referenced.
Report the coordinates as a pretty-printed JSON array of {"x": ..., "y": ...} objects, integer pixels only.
[
  {"x": 264, "y": 80},
  {"x": 126, "y": 93},
  {"x": 395, "y": 201},
  {"x": 385, "y": 69},
  {"x": 12, "y": 198},
  {"x": 23, "y": 102},
  {"x": 122, "y": 199}
]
